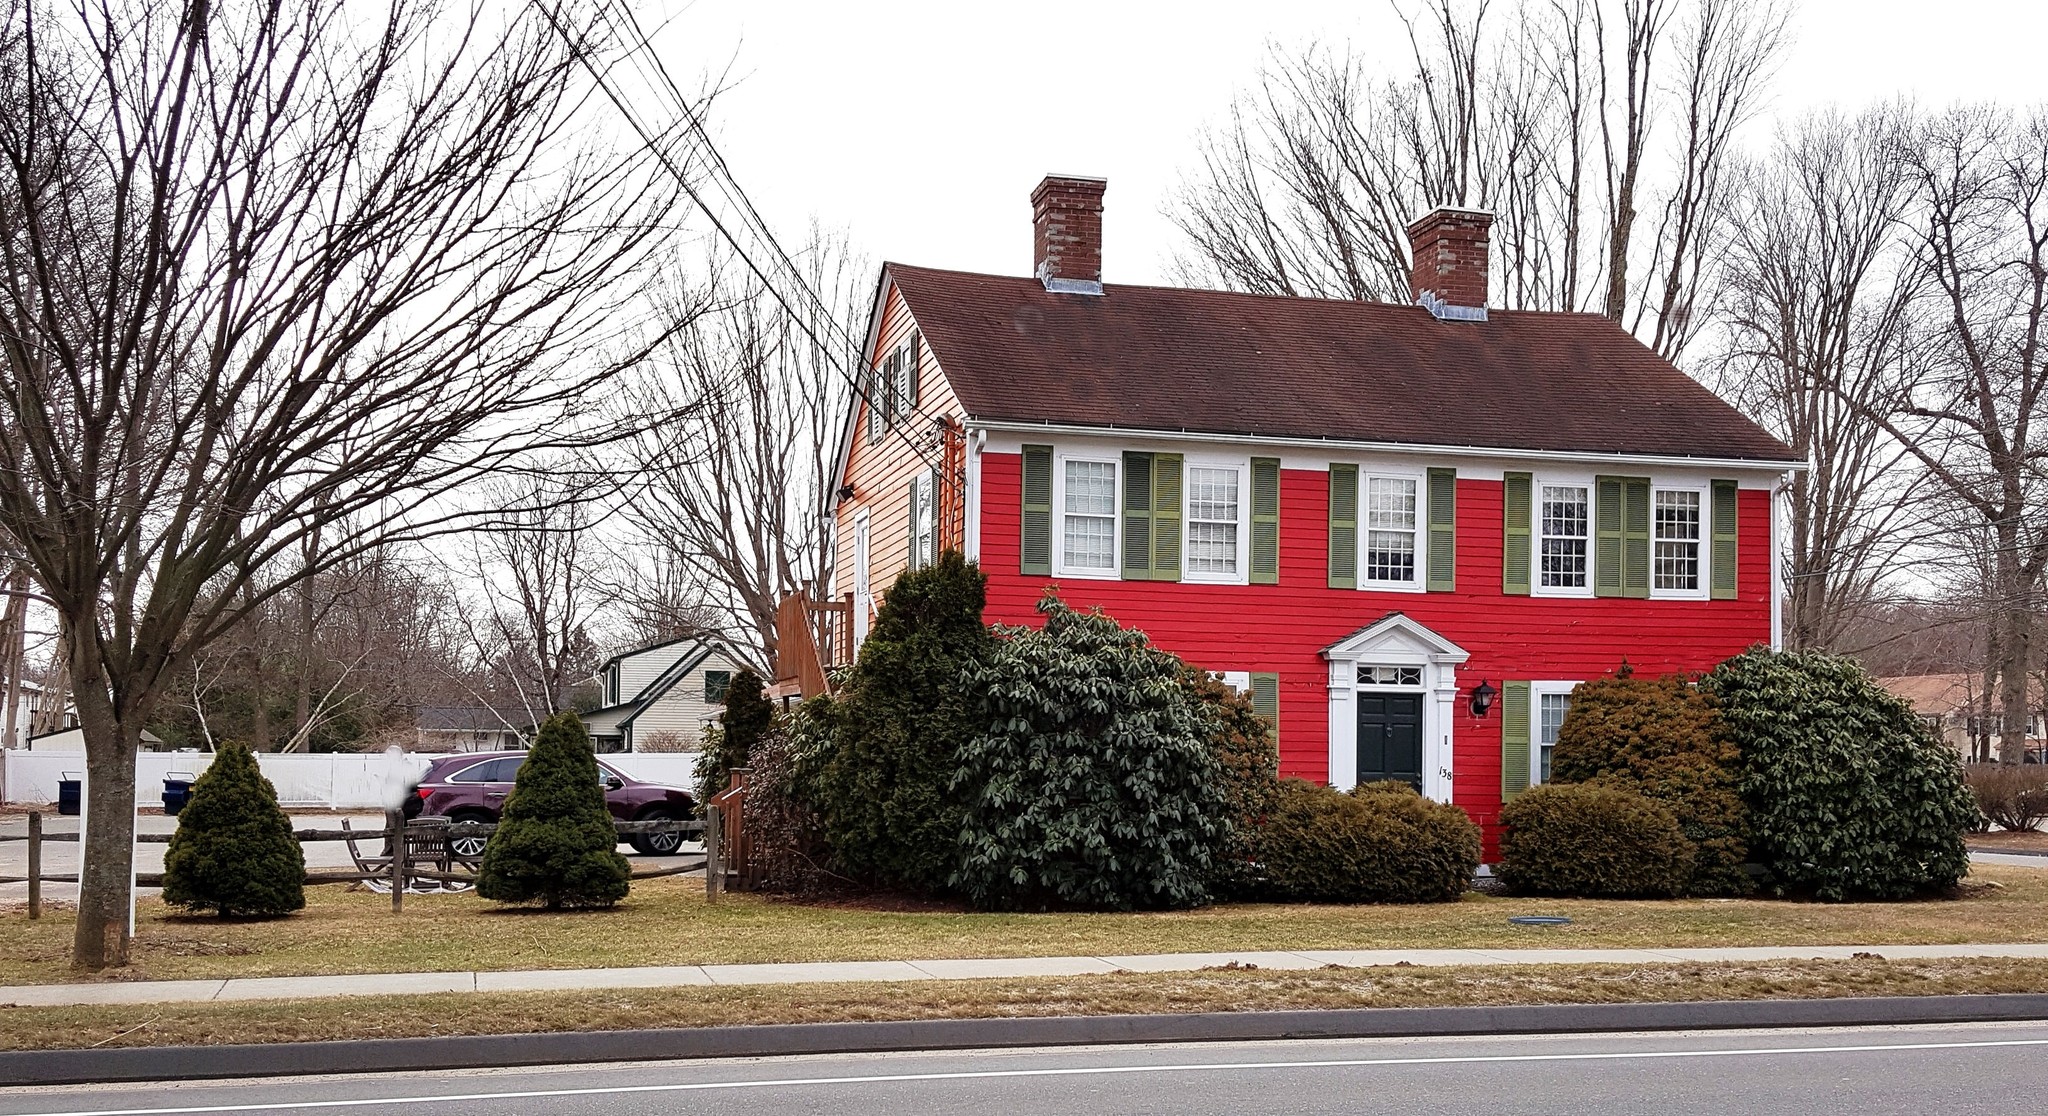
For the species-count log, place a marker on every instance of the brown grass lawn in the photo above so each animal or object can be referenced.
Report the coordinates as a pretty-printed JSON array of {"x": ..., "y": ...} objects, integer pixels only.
[
  {"x": 1116, "y": 993},
  {"x": 667, "y": 922},
  {"x": 2032, "y": 840}
]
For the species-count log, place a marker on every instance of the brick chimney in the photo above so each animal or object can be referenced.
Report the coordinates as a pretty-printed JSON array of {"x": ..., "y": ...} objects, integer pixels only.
[
  {"x": 1448, "y": 277},
  {"x": 1066, "y": 223}
]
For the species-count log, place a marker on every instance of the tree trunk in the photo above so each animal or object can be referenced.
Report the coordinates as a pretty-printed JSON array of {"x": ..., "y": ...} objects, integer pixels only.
[
  {"x": 106, "y": 872},
  {"x": 2015, "y": 645}
]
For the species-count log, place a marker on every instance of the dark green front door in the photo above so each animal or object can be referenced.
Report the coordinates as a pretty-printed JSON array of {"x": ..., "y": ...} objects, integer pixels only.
[{"x": 1390, "y": 738}]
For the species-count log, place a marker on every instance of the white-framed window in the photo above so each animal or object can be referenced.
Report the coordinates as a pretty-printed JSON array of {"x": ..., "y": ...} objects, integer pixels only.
[
  {"x": 1677, "y": 551},
  {"x": 1390, "y": 550},
  {"x": 1404, "y": 676},
  {"x": 924, "y": 520},
  {"x": 1564, "y": 534},
  {"x": 1086, "y": 501},
  {"x": 1550, "y": 701},
  {"x": 1215, "y": 519}
]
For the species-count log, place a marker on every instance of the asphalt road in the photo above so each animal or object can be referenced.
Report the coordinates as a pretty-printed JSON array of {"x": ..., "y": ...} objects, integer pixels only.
[{"x": 1864, "y": 1071}]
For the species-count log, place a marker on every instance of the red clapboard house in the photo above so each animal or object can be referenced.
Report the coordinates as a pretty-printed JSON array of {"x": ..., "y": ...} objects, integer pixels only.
[{"x": 1373, "y": 517}]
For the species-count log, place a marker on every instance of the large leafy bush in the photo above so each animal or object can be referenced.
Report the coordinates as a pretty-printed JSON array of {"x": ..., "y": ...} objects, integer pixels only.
[
  {"x": 1595, "y": 840},
  {"x": 1849, "y": 794},
  {"x": 729, "y": 742},
  {"x": 885, "y": 794},
  {"x": 1094, "y": 782},
  {"x": 556, "y": 844},
  {"x": 234, "y": 853},
  {"x": 1663, "y": 738},
  {"x": 1382, "y": 843}
]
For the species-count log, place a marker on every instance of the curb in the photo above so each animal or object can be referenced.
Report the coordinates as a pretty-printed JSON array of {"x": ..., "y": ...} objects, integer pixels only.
[{"x": 185, "y": 1063}]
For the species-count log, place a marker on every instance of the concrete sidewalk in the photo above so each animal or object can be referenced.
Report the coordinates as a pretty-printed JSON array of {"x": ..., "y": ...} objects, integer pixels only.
[{"x": 679, "y": 976}]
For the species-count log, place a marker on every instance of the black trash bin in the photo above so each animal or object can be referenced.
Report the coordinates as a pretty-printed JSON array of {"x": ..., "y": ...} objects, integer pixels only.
[
  {"x": 67, "y": 793},
  {"x": 177, "y": 791}
]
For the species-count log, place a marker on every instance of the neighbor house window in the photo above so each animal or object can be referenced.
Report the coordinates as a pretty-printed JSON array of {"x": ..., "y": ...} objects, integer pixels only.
[
  {"x": 716, "y": 683},
  {"x": 1564, "y": 524},
  {"x": 1214, "y": 511},
  {"x": 1675, "y": 526},
  {"x": 1088, "y": 516},
  {"x": 1390, "y": 529}
]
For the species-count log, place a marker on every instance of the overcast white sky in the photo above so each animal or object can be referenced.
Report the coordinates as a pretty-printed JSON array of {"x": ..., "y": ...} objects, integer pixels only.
[{"x": 920, "y": 127}]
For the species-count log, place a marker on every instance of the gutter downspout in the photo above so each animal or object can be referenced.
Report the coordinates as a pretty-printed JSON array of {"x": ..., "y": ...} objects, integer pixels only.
[{"x": 1778, "y": 561}]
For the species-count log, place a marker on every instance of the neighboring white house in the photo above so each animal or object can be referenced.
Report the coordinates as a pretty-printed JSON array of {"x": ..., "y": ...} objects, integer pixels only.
[
  {"x": 73, "y": 740},
  {"x": 660, "y": 697},
  {"x": 33, "y": 701},
  {"x": 469, "y": 728}
]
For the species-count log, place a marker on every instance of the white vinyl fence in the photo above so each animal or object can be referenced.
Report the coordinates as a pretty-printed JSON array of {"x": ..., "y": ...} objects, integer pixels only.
[{"x": 345, "y": 781}]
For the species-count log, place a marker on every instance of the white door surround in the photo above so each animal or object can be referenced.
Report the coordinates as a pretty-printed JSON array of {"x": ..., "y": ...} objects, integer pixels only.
[{"x": 1396, "y": 641}]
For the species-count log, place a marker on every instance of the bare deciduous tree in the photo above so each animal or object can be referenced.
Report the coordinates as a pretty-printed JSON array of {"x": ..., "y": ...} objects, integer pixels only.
[
  {"x": 1603, "y": 158},
  {"x": 272, "y": 270},
  {"x": 728, "y": 498},
  {"x": 1978, "y": 418},
  {"x": 1821, "y": 337}
]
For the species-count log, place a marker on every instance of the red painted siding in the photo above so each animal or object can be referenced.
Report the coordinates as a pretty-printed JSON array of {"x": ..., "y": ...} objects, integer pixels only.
[{"x": 1284, "y": 627}]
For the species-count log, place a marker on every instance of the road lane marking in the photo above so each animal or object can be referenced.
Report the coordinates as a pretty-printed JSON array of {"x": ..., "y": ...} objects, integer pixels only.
[{"x": 1072, "y": 1071}]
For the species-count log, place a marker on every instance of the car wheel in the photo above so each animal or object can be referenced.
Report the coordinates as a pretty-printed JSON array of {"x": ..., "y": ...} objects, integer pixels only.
[
  {"x": 470, "y": 847},
  {"x": 656, "y": 844}
]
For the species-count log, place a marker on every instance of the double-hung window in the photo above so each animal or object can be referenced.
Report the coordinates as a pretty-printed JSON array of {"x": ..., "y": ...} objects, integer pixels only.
[
  {"x": 1564, "y": 524},
  {"x": 1088, "y": 516},
  {"x": 1675, "y": 525},
  {"x": 1215, "y": 523},
  {"x": 1390, "y": 535},
  {"x": 1553, "y": 700}
]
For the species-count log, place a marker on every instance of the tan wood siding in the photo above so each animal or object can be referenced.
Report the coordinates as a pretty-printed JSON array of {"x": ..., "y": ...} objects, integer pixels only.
[{"x": 881, "y": 471}]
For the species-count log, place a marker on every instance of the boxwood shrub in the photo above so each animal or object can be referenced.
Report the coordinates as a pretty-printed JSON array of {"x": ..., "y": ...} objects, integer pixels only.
[
  {"x": 1850, "y": 796},
  {"x": 1664, "y": 739},
  {"x": 1592, "y": 840},
  {"x": 1382, "y": 843}
]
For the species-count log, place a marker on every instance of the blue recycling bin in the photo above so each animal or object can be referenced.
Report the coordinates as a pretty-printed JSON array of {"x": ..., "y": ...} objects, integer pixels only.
[
  {"x": 177, "y": 791},
  {"x": 67, "y": 793}
]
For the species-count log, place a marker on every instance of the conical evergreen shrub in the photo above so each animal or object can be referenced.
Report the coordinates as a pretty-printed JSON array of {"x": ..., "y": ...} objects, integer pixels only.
[
  {"x": 747, "y": 716},
  {"x": 234, "y": 853},
  {"x": 555, "y": 843}
]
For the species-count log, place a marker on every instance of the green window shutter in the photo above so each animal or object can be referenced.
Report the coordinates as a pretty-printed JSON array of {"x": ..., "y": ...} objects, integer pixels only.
[
  {"x": 1635, "y": 539},
  {"x": 1343, "y": 526},
  {"x": 1166, "y": 504},
  {"x": 910, "y": 353},
  {"x": 1514, "y": 739},
  {"x": 1265, "y": 521},
  {"x": 1137, "y": 516},
  {"x": 1443, "y": 530},
  {"x": 1035, "y": 551},
  {"x": 1724, "y": 540},
  {"x": 1607, "y": 534},
  {"x": 1266, "y": 700},
  {"x": 1516, "y": 547}
]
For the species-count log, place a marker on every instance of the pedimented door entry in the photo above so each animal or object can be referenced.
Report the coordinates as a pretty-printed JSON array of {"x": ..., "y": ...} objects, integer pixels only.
[{"x": 1390, "y": 737}]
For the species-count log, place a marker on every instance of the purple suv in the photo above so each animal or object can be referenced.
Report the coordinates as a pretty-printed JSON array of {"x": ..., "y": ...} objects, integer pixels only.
[{"x": 472, "y": 787}]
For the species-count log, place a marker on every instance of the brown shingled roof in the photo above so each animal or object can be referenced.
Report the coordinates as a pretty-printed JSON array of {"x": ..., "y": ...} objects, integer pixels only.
[{"x": 1163, "y": 358}]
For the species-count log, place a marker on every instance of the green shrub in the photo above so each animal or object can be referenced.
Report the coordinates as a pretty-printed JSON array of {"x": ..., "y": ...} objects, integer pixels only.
[
  {"x": 729, "y": 743},
  {"x": 1849, "y": 794},
  {"x": 1093, "y": 783},
  {"x": 234, "y": 853},
  {"x": 1594, "y": 840},
  {"x": 1249, "y": 761},
  {"x": 555, "y": 843},
  {"x": 885, "y": 793},
  {"x": 1663, "y": 738},
  {"x": 1382, "y": 843},
  {"x": 786, "y": 840}
]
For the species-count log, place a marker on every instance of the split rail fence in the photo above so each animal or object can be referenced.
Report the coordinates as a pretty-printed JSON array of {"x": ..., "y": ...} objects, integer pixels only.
[{"x": 428, "y": 862}]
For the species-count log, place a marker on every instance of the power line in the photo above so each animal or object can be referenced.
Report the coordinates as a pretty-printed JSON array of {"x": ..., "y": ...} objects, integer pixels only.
[{"x": 736, "y": 197}]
